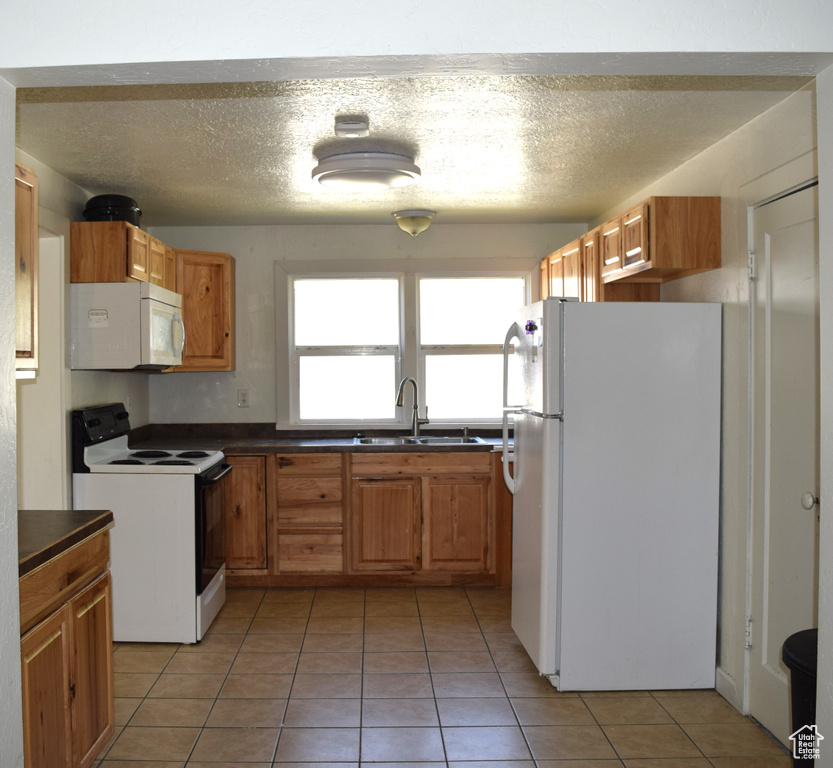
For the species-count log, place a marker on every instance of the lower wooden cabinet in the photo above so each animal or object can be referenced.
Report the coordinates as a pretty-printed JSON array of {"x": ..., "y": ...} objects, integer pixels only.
[
  {"x": 246, "y": 542},
  {"x": 66, "y": 665}
]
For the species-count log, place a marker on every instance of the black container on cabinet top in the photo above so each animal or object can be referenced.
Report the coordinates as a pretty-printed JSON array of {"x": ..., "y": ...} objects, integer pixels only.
[{"x": 112, "y": 208}]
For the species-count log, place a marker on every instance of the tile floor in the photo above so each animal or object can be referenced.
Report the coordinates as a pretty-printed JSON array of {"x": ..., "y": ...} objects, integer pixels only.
[{"x": 423, "y": 678}]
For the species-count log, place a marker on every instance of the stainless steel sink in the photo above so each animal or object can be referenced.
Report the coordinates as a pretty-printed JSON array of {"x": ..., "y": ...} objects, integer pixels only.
[
  {"x": 385, "y": 440},
  {"x": 449, "y": 440}
]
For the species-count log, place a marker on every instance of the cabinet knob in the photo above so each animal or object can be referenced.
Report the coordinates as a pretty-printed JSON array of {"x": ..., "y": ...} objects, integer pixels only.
[{"x": 808, "y": 500}]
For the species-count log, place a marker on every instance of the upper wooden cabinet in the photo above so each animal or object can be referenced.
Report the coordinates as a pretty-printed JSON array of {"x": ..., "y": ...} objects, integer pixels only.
[
  {"x": 663, "y": 238},
  {"x": 206, "y": 282},
  {"x": 590, "y": 273},
  {"x": 26, "y": 268}
]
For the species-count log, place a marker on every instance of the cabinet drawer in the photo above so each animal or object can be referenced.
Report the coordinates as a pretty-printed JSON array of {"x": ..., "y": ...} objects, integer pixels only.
[
  {"x": 375, "y": 464},
  {"x": 46, "y": 588},
  {"x": 310, "y": 552},
  {"x": 309, "y": 464},
  {"x": 310, "y": 500}
]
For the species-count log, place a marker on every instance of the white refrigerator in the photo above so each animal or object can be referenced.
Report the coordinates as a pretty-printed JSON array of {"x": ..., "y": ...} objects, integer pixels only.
[{"x": 616, "y": 479}]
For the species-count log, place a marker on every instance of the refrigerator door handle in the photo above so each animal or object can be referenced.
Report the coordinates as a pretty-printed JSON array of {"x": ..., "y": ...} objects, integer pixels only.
[{"x": 508, "y": 457}]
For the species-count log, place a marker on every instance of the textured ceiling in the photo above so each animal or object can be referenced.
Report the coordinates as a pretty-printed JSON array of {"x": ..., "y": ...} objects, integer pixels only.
[{"x": 514, "y": 149}]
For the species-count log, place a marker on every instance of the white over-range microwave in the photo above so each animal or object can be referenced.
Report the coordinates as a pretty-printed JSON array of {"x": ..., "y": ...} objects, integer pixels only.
[{"x": 124, "y": 326}]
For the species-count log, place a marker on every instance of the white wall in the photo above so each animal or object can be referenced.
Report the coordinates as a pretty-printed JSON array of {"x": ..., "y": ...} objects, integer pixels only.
[
  {"x": 262, "y": 310},
  {"x": 11, "y": 722},
  {"x": 782, "y": 134}
]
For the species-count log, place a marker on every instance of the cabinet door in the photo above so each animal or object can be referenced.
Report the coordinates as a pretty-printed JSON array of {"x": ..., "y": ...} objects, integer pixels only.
[
  {"x": 556, "y": 272},
  {"x": 138, "y": 254},
  {"x": 206, "y": 283},
  {"x": 635, "y": 236},
  {"x": 44, "y": 653},
  {"x": 386, "y": 524},
  {"x": 456, "y": 523},
  {"x": 590, "y": 273},
  {"x": 170, "y": 269},
  {"x": 246, "y": 513},
  {"x": 610, "y": 246},
  {"x": 570, "y": 259},
  {"x": 91, "y": 670},
  {"x": 544, "y": 268},
  {"x": 156, "y": 271},
  {"x": 26, "y": 267}
]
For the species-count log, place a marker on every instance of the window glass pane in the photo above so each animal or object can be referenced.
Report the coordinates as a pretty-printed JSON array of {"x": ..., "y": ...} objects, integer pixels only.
[
  {"x": 348, "y": 387},
  {"x": 463, "y": 387},
  {"x": 349, "y": 312},
  {"x": 467, "y": 310}
]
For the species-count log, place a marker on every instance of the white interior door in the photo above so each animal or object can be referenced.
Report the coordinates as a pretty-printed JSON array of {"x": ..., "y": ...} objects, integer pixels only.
[{"x": 785, "y": 392}]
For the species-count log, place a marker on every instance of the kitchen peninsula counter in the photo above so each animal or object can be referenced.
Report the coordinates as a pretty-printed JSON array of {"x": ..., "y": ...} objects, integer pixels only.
[{"x": 44, "y": 534}]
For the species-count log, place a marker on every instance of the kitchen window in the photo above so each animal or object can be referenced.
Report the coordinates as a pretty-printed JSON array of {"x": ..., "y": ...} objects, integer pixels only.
[{"x": 352, "y": 338}]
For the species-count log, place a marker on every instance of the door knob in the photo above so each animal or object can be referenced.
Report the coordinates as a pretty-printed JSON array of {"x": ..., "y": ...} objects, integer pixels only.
[{"x": 808, "y": 500}]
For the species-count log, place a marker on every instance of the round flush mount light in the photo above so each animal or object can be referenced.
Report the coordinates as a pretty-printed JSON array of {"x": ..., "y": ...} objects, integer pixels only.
[
  {"x": 414, "y": 222},
  {"x": 366, "y": 171},
  {"x": 351, "y": 128}
]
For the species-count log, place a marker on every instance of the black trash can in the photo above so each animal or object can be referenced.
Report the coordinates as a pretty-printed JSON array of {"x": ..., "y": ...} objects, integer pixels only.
[{"x": 800, "y": 654}]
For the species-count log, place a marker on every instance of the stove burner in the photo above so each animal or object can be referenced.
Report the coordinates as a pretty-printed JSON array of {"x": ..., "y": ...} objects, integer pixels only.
[
  {"x": 174, "y": 462},
  {"x": 150, "y": 454},
  {"x": 192, "y": 455},
  {"x": 126, "y": 461}
]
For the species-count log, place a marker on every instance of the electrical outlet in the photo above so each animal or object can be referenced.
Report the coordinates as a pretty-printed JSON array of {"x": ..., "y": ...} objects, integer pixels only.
[{"x": 242, "y": 398}]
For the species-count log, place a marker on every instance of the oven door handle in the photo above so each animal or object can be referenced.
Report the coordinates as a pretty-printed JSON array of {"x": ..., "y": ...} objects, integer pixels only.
[{"x": 223, "y": 471}]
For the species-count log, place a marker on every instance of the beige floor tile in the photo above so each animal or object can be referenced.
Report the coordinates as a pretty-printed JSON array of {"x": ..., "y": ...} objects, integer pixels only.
[
  {"x": 174, "y": 713},
  {"x": 553, "y": 711},
  {"x": 246, "y": 713},
  {"x": 696, "y": 708},
  {"x": 154, "y": 743},
  {"x": 741, "y": 740},
  {"x": 124, "y": 709},
  {"x": 200, "y": 663},
  {"x": 568, "y": 742},
  {"x": 284, "y": 610},
  {"x": 187, "y": 686},
  {"x": 394, "y": 744},
  {"x": 493, "y": 743},
  {"x": 397, "y": 686},
  {"x": 133, "y": 685},
  {"x": 256, "y": 687},
  {"x": 475, "y": 712},
  {"x": 460, "y": 661},
  {"x": 330, "y": 609},
  {"x": 140, "y": 662},
  {"x": 212, "y": 643},
  {"x": 588, "y": 764},
  {"x": 317, "y": 765},
  {"x": 391, "y": 624},
  {"x": 272, "y": 643},
  {"x": 169, "y": 648},
  {"x": 467, "y": 685},
  {"x": 233, "y": 625},
  {"x": 285, "y": 626},
  {"x": 402, "y": 662},
  {"x": 288, "y": 595},
  {"x": 318, "y": 744},
  {"x": 529, "y": 684},
  {"x": 503, "y": 641},
  {"x": 192, "y": 764},
  {"x": 391, "y": 608},
  {"x": 323, "y": 713},
  {"x": 396, "y": 641},
  {"x": 782, "y": 761},
  {"x": 675, "y": 762},
  {"x": 513, "y": 661},
  {"x": 140, "y": 764},
  {"x": 492, "y": 764},
  {"x": 235, "y": 744},
  {"x": 465, "y": 623},
  {"x": 344, "y": 626},
  {"x": 265, "y": 663},
  {"x": 245, "y": 594},
  {"x": 339, "y": 594},
  {"x": 399, "y": 712},
  {"x": 327, "y": 687},
  {"x": 637, "y": 710},
  {"x": 643, "y": 741},
  {"x": 459, "y": 609},
  {"x": 445, "y": 640},
  {"x": 494, "y": 623},
  {"x": 330, "y": 663},
  {"x": 333, "y": 644},
  {"x": 245, "y": 609}
]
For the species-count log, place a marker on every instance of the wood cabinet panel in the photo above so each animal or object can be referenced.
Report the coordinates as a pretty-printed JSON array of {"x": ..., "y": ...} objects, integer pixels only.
[
  {"x": 610, "y": 246},
  {"x": 156, "y": 262},
  {"x": 544, "y": 269},
  {"x": 45, "y": 664},
  {"x": 456, "y": 523},
  {"x": 570, "y": 259},
  {"x": 310, "y": 500},
  {"x": 246, "y": 539},
  {"x": 26, "y": 267},
  {"x": 407, "y": 463},
  {"x": 91, "y": 670},
  {"x": 321, "y": 552},
  {"x": 206, "y": 283},
  {"x": 386, "y": 525},
  {"x": 309, "y": 464},
  {"x": 138, "y": 253},
  {"x": 590, "y": 270}
]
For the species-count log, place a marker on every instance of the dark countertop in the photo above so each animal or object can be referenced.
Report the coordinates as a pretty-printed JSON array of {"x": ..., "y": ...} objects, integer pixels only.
[{"x": 44, "y": 534}]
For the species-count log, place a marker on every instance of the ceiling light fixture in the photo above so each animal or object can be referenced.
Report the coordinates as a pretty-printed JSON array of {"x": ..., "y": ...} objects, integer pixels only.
[
  {"x": 368, "y": 171},
  {"x": 351, "y": 128},
  {"x": 414, "y": 222}
]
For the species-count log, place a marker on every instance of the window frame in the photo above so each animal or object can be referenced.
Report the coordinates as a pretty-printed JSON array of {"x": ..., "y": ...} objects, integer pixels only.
[{"x": 410, "y": 360}]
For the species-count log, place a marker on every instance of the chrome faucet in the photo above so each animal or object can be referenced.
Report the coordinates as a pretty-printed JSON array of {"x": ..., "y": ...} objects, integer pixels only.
[{"x": 400, "y": 400}]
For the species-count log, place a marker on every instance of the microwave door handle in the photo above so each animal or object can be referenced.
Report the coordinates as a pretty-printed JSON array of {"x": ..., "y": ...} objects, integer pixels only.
[{"x": 178, "y": 320}]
